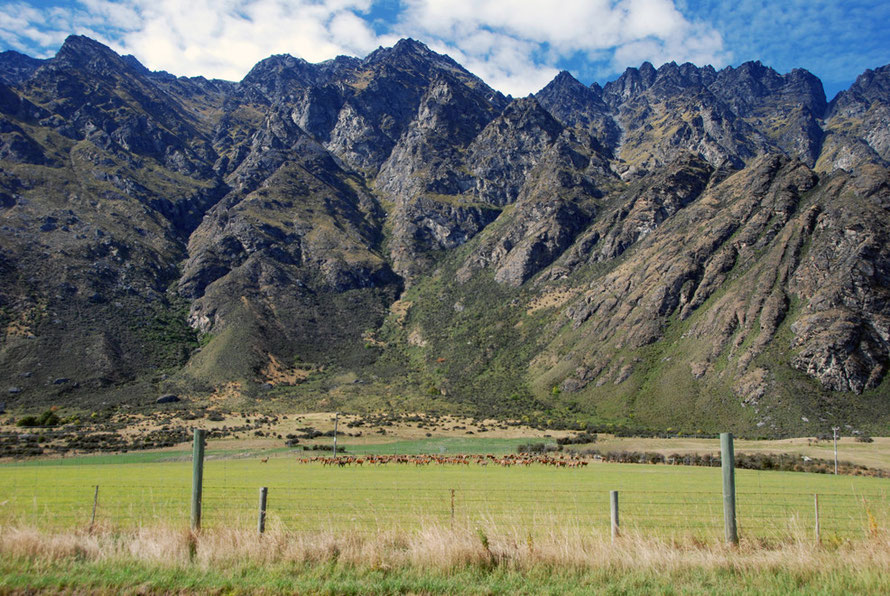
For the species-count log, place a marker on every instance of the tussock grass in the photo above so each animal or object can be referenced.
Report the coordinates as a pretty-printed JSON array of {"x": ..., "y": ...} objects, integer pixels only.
[
  {"x": 433, "y": 559},
  {"x": 438, "y": 547}
]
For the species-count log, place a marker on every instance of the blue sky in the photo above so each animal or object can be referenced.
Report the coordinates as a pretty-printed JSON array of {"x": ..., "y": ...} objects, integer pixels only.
[{"x": 516, "y": 46}]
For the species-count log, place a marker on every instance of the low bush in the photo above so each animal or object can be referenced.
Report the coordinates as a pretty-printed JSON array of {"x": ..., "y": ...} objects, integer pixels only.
[
  {"x": 537, "y": 448},
  {"x": 581, "y": 439},
  {"x": 48, "y": 418}
]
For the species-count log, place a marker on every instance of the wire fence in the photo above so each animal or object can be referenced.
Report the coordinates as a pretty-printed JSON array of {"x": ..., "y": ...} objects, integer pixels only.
[{"x": 761, "y": 514}]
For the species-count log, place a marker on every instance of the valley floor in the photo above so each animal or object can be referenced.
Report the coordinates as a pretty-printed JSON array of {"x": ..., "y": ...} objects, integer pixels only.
[{"x": 168, "y": 434}]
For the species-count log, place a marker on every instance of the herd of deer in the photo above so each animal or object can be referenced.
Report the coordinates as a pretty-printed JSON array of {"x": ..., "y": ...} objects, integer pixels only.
[{"x": 521, "y": 459}]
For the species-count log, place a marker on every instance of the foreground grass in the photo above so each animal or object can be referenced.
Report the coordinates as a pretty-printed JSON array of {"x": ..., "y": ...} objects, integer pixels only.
[{"x": 433, "y": 560}]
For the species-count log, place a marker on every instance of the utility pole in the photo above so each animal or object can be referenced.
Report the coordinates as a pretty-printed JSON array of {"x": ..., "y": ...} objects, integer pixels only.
[
  {"x": 835, "y": 429},
  {"x": 336, "y": 419}
]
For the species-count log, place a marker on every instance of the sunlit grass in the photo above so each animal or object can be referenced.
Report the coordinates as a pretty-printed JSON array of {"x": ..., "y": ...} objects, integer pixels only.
[
  {"x": 660, "y": 500},
  {"x": 432, "y": 559}
]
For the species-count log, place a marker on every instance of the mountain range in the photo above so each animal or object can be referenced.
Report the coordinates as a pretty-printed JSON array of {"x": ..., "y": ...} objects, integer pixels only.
[{"x": 683, "y": 247}]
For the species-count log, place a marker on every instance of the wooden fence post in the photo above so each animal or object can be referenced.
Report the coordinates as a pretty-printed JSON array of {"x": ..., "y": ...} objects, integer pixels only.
[
  {"x": 261, "y": 521},
  {"x": 197, "y": 477},
  {"x": 727, "y": 461},
  {"x": 613, "y": 507},
  {"x": 95, "y": 504},
  {"x": 452, "y": 508},
  {"x": 818, "y": 529}
]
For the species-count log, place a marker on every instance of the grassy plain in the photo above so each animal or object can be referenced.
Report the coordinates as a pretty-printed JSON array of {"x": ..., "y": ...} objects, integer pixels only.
[
  {"x": 666, "y": 500},
  {"x": 396, "y": 529}
]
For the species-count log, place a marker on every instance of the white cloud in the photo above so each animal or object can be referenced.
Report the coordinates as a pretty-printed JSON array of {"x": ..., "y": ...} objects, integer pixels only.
[
  {"x": 20, "y": 28},
  {"x": 514, "y": 45},
  {"x": 222, "y": 38},
  {"x": 501, "y": 40},
  {"x": 225, "y": 39}
]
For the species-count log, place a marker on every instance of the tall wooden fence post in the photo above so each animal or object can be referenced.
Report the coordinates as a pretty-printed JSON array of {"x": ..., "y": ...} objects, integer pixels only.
[
  {"x": 95, "y": 504},
  {"x": 613, "y": 507},
  {"x": 197, "y": 477},
  {"x": 727, "y": 460},
  {"x": 261, "y": 520},
  {"x": 818, "y": 529}
]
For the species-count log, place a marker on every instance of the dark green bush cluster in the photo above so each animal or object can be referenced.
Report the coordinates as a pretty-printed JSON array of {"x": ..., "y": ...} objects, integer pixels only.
[
  {"x": 48, "y": 418},
  {"x": 783, "y": 462},
  {"x": 340, "y": 448},
  {"x": 581, "y": 439},
  {"x": 537, "y": 448}
]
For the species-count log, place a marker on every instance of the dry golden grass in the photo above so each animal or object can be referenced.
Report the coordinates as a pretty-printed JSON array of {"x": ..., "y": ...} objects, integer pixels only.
[
  {"x": 440, "y": 548},
  {"x": 278, "y": 374}
]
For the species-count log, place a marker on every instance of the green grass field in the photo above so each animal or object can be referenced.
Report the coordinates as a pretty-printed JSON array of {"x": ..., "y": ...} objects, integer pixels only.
[
  {"x": 390, "y": 529},
  {"x": 140, "y": 490}
]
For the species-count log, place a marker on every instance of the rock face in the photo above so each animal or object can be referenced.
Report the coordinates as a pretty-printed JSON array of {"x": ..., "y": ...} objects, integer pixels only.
[{"x": 681, "y": 247}]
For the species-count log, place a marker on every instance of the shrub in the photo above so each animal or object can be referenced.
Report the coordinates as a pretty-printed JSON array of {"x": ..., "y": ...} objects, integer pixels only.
[
  {"x": 48, "y": 418},
  {"x": 580, "y": 439},
  {"x": 537, "y": 448}
]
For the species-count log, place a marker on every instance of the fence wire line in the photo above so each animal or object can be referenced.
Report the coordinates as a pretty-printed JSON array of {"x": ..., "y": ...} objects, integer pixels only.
[{"x": 363, "y": 508}]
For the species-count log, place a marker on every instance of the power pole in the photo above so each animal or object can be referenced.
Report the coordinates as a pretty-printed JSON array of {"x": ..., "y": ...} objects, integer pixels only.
[
  {"x": 336, "y": 419},
  {"x": 835, "y": 429}
]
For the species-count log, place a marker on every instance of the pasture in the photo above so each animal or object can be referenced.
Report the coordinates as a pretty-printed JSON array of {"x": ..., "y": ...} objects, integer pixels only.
[
  {"x": 655, "y": 500},
  {"x": 448, "y": 528}
]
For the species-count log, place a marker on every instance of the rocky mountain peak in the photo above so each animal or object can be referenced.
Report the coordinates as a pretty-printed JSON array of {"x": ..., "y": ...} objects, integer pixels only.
[
  {"x": 752, "y": 85},
  {"x": 856, "y": 124},
  {"x": 565, "y": 87},
  {"x": 409, "y": 53},
  {"x": 564, "y": 79},
  {"x": 16, "y": 67},
  {"x": 671, "y": 77},
  {"x": 82, "y": 52},
  {"x": 408, "y": 45},
  {"x": 405, "y": 48},
  {"x": 631, "y": 83},
  {"x": 575, "y": 105},
  {"x": 279, "y": 74},
  {"x": 871, "y": 86}
]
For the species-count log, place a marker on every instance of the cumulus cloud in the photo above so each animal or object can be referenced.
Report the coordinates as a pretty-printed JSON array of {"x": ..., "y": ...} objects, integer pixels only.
[
  {"x": 515, "y": 45},
  {"x": 224, "y": 39},
  {"x": 200, "y": 37}
]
